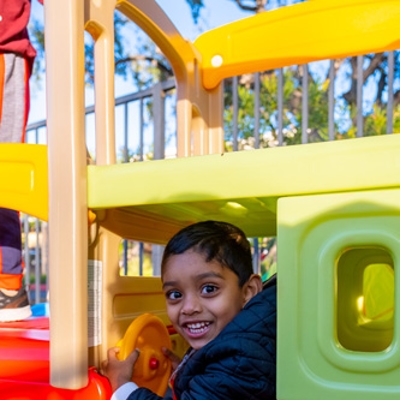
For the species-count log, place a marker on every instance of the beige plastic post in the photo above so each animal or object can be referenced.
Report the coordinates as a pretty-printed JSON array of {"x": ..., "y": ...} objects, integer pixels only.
[
  {"x": 99, "y": 22},
  {"x": 64, "y": 30}
]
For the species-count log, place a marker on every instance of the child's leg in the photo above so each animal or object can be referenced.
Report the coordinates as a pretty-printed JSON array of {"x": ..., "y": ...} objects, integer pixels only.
[
  {"x": 14, "y": 106},
  {"x": 14, "y": 97},
  {"x": 10, "y": 250}
]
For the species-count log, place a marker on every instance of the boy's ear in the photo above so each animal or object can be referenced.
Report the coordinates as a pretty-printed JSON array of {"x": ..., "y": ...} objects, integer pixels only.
[{"x": 252, "y": 287}]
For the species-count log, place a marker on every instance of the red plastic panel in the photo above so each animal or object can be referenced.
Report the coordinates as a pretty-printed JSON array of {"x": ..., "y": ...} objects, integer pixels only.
[{"x": 24, "y": 366}]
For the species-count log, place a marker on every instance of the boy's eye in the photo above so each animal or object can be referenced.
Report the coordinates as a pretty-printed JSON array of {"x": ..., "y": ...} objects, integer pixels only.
[
  {"x": 208, "y": 289},
  {"x": 174, "y": 295}
]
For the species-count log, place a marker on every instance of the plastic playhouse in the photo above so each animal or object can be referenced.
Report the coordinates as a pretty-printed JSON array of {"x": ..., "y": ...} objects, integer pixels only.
[{"x": 337, "y": 226}]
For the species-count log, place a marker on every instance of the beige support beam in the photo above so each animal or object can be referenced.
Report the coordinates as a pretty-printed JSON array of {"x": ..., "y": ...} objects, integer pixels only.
[
  {"x": 64, "y": 30},
  {"x": 99, "y": 22}
]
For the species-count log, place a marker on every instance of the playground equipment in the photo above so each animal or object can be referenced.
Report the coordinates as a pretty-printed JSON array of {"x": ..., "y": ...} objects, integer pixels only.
[{"x": 333, "y": 222}]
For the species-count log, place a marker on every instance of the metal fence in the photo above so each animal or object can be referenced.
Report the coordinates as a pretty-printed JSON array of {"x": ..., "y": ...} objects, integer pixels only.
[{"x": 385, "y": 76}]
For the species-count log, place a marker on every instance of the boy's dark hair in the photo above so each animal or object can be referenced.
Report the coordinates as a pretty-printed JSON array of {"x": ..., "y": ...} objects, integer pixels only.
[{"x": 220, "y": 241}]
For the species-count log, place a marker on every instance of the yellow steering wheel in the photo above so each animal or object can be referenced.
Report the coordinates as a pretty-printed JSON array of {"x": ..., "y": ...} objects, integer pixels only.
[{"x": 152, "y": 369}]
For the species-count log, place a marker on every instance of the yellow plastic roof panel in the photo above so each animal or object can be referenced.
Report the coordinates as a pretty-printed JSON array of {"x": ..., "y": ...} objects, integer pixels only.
[{"x": 297, "y": 34}]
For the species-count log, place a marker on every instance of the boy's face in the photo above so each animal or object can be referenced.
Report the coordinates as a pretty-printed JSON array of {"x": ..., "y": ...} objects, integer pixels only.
[{"x": 202, "y": 297}]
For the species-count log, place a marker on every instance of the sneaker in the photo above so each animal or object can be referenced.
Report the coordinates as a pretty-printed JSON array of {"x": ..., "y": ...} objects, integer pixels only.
[{"x": 14, "y": 307}]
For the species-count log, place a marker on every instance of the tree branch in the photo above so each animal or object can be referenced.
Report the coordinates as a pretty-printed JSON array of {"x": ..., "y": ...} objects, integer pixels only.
[
  {"x": 381, "y": 86},
  {"x": 258, "y": 7},
  {"x": 373, "y": 65}
]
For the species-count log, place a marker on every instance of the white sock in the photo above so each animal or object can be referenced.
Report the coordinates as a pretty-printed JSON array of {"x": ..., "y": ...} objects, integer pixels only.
[{"x": 9, "y": 293}]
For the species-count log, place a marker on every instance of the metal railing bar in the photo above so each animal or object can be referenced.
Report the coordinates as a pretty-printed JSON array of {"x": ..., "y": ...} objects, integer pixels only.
[
  {"x": 159, "y": 122},
  {"x": 389, "y": 110},
  {"x": 304, "y": 109},
  {"x": 165, "y": 86},
  {"x": 36, "y": 125},
  {"x": 257, "y": 110},
  {"x": 37, "y": 263},
  {"x": 331, "y": 101},
  {"x": 280, "y": 106},
  {"x": 141, "y": 133},
  {"x": 235, "y": 100},
  {"x": 126, "y": 155},
  {"x": 26, "y": 256},
  {"x": 360, "y": 83}
]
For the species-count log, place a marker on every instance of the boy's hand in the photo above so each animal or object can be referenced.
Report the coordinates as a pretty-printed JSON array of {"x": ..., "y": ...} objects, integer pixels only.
[
  {"x": 175, "y": 360},
  {"x": 119, "y": 372}
]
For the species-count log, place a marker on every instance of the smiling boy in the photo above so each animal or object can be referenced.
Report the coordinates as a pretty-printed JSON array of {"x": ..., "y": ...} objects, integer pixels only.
[{"x": 216, "y": 302}]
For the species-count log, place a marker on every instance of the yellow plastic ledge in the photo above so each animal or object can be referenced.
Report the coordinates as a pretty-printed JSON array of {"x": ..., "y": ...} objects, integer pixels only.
[
  {"x": 243, "y": 187},
  {"x": 23, "y": 183},
  {"x": 298, "y": 34}
]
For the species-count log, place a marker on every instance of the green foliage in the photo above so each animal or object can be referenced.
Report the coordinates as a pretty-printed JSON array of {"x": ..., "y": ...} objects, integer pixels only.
[
  {"x": 292, "y": 112},
  {"x": 267, "y": 247},
  {"x": 396, "y": 119},
  {"x": 375, "y": 123}
]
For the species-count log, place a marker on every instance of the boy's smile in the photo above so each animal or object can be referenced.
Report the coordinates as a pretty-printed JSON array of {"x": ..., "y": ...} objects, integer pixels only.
[{"x": 202, "y": 297}]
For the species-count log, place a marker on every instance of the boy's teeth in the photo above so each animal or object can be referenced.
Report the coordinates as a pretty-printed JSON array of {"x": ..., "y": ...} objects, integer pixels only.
[{"x": 197, "y": 327}]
